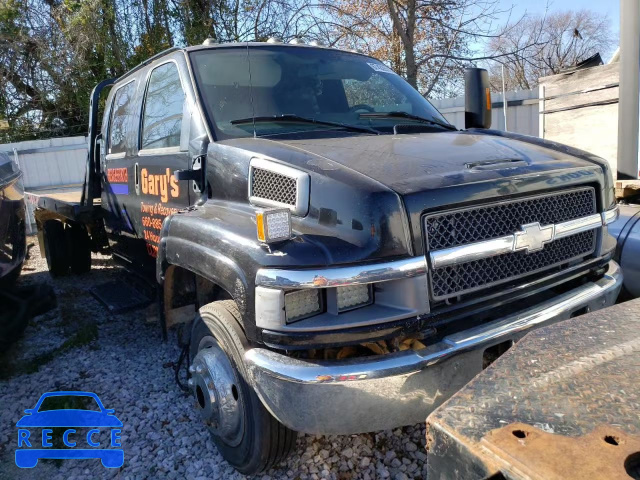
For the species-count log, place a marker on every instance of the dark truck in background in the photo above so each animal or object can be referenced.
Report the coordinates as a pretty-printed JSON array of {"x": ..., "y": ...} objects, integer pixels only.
[
  {"x": 12, "y": 221},
  {"x": 352, "y": 259},
  {"x": 18, "y": 302}
]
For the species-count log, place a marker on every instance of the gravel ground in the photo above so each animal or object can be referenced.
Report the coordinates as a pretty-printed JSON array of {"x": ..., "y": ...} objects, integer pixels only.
[{"x": 81, "y": 346}]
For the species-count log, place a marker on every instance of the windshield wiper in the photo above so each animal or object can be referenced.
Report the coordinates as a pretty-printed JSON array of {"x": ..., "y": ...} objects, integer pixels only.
[
  {"x": 409, "y": 116},
  {"x": 290, "y": 117}
]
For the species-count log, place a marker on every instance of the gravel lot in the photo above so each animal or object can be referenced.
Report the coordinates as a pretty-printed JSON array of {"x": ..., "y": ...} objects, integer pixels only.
[{"x": 81, "y": 346}]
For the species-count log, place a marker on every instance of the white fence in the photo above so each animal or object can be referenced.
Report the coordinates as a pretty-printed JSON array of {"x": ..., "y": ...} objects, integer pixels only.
[
  {"x": 56, "y": 161},
  {"x": 522, "y": 111},
  {"x": 52, "y": 162}
]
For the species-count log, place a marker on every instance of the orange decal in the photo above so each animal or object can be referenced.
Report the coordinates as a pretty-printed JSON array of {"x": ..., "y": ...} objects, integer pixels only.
[
  {"x": 175, "y": 189},
  {"x": 158, "y": 184},
  {"x": 153, "y": 214}
]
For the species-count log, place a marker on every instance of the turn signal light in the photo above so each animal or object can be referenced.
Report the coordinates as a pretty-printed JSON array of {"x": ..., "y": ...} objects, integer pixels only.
[{"x": 274, "y": 225}]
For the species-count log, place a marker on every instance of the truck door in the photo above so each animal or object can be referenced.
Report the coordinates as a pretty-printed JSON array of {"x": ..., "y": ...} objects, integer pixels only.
[
  {"x": 163, "y": 149},
  {"x": 118, "y": 181}
]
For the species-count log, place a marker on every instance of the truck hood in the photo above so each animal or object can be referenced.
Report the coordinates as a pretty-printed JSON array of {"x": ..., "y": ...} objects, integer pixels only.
[
  {"x": 354, "y": 177},
  {"x": 411, "y": 163}
]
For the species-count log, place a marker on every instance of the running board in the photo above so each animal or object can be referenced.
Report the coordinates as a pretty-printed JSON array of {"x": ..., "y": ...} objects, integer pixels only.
[{"x": 123, "y": 295}]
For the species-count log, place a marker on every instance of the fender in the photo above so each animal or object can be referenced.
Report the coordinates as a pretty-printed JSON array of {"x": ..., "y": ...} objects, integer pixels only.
[
  {"x": 218, "y": 242},
  {"x": 208, "y": 263}
]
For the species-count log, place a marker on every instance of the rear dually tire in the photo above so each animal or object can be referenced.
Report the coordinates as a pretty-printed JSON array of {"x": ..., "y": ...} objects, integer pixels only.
[
  {"x": 79, "y": 245},
  {"x": 55, "y": 247}
]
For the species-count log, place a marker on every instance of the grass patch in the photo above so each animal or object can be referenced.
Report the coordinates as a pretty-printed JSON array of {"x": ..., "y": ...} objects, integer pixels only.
[{"x": 85, "y": 335}]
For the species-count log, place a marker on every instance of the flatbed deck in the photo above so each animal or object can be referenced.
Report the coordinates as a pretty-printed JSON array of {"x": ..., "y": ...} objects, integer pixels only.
[
  {"x": 560, "y": 404},
  {"x": 64, "y": 200}
]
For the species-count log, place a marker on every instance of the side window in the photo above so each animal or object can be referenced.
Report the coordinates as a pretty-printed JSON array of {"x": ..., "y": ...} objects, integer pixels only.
[
  {"x": 121, "y": 111},
  {"x": 162, "y": 117}
]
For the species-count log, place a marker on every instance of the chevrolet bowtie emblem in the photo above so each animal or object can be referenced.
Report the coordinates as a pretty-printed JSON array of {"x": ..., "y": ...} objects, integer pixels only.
[{"x": 533, "y": 237}]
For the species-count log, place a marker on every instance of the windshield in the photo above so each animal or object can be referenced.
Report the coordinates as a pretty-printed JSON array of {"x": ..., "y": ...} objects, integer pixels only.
[{"x": 324, "y": 85}]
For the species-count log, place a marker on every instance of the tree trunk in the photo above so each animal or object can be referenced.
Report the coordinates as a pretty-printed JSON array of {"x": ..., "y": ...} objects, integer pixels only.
[
  {"x": 412, "y": 68},
  {"x": 406, "y": 33}
]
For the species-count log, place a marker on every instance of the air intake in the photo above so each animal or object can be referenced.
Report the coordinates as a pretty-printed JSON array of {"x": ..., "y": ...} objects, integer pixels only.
[{"x": 272, "y": 184}]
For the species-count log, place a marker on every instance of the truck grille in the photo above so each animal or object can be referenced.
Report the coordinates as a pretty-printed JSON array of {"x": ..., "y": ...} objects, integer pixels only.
[{"x": 474, "y": 224}]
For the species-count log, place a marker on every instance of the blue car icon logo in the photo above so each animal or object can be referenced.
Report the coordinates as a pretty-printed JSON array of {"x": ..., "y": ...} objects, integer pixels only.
[{"x": 77, "y": 418}]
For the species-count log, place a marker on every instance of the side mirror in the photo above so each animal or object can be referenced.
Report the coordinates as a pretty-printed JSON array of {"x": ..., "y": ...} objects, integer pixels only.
[
  {"x": 29, "y": 411},
  {"x": 477, "y": 105},
  {"x": 198, "y": 172}
]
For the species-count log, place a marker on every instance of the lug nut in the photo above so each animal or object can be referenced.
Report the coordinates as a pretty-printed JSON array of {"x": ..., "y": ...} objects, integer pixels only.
[
  {"x": 192, "y": 369},
  {"x": 199, "y": 369},
  {"x": 190, "y": 382}
]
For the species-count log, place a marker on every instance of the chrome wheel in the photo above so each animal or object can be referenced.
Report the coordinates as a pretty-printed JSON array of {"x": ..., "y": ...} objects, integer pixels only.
[{"x": 216, "y": 389}]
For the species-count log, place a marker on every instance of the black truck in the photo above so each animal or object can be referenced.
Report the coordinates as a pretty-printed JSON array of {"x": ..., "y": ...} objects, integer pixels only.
[
  {"x": 351, "y": 258},
  {"x": 12, "y": 221}
]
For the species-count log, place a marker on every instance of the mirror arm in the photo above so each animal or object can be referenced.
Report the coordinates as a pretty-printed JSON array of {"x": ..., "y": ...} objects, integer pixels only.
[{"x": 198, "y": 171}]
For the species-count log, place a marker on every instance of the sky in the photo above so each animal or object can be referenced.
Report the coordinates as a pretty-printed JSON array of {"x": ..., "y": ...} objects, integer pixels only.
[{"x": 611, "y": 8}]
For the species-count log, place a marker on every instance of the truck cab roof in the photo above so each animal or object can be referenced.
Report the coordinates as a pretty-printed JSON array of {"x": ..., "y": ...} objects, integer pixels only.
[{"x": 214, "y": 46}]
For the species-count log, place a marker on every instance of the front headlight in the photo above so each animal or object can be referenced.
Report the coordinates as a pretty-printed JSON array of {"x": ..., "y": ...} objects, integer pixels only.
[
  {"x": 353, "y": 296},
  {"x": 302, "y": 304},
  {"x": 335, "y": 298}
]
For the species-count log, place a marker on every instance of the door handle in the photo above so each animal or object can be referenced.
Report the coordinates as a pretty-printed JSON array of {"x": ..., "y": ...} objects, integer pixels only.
[{"x": 136, "y": 177}]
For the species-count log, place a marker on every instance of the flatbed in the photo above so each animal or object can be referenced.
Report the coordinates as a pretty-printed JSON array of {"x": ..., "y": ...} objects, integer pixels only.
[
  {"x": 66, "y": 200},
  {"x": 560, "y": 404}
]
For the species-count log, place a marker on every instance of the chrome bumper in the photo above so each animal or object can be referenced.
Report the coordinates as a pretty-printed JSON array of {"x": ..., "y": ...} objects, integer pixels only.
[{"x": 382, "y": 392}]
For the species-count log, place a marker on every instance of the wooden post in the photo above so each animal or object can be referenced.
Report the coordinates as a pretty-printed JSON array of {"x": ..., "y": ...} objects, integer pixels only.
[{"x": 541, "y": 111}]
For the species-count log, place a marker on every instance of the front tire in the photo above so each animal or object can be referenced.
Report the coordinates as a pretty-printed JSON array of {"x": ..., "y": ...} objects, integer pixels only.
[{"x": 246, "y": 434}]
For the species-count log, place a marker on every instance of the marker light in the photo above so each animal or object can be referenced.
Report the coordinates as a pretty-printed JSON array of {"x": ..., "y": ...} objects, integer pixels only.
[
  {"x": 274, "y": 225},
  {"x": 611, "y": 215},
  {"x": 353, "y": 296},
  {"x": 302, "y": 304}
]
